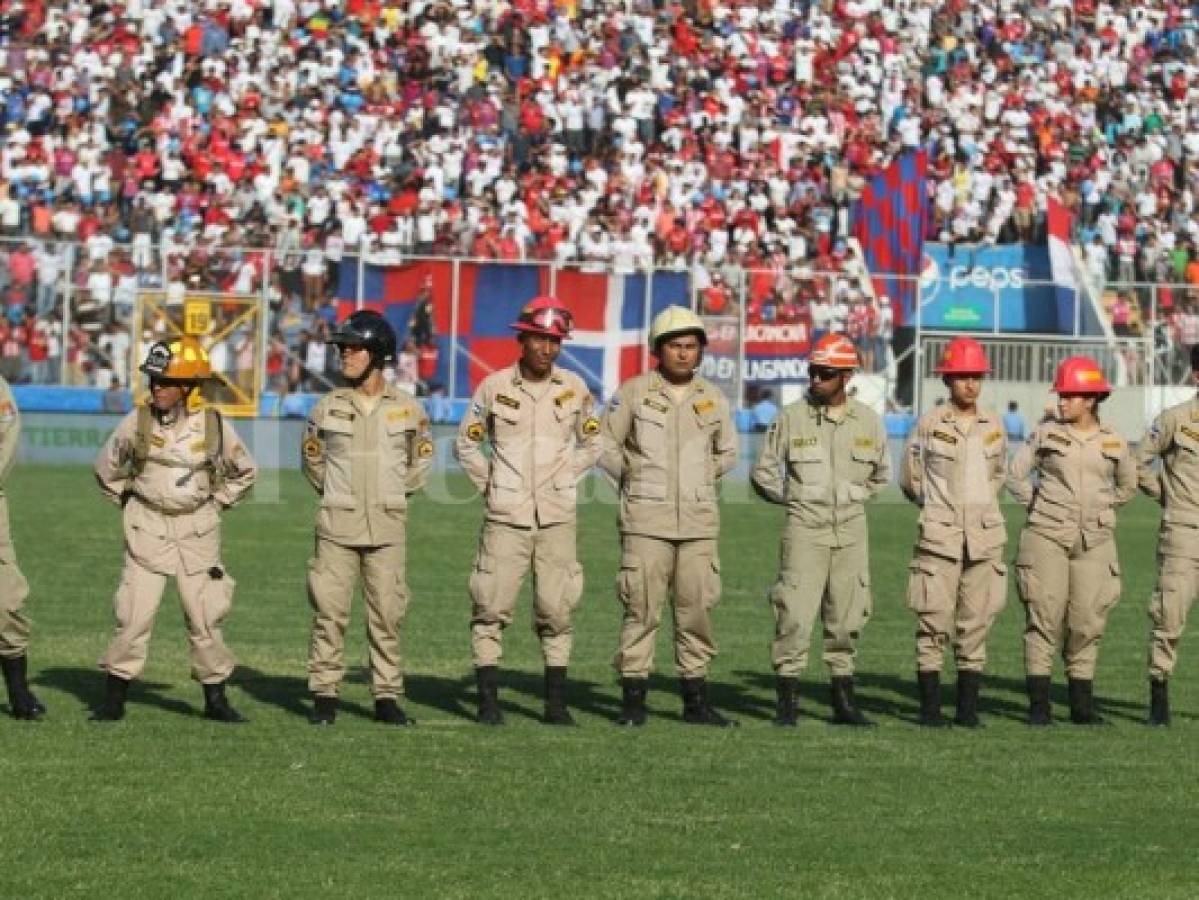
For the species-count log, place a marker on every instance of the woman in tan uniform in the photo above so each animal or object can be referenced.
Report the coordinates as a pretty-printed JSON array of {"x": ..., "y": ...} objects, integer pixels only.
[{"x": 1067, "y": 570}]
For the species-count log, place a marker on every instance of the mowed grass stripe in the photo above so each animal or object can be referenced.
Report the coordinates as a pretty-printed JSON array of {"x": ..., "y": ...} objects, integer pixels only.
[{"x": 166, "y": 804}]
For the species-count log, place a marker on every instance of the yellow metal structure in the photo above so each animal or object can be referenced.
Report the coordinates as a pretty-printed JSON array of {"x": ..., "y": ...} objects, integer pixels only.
[{"x": 230, "y": 328}]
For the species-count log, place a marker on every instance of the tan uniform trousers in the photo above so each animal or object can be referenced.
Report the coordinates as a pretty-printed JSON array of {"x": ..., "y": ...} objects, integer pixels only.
[
  {"x": 1067, "y": 596},
  {"x": 831, "y": 581},
  {"x": 206, "y": 600},
  {"x": 332, "y": 574},
  {"x": 505, "y": 554},
  {"x": 1177, "y": 584},
  {"x": 650, "y": 569},
  {"x": 959, "y": 597},
  {"x": 14, "y": 590}
]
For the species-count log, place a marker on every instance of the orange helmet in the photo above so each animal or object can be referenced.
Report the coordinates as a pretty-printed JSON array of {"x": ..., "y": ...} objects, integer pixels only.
[
  {"x": 1080, "y": 375},
  {"x": 544, "y": 315},
  {"x": 834, "y": 351},
  {"x": 183, "y": 359},
  {"x": 963, "y": 356}
]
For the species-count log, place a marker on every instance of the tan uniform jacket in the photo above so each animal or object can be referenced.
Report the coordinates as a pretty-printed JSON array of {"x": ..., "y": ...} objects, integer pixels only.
[
  {"x": 365, "y": 464},
  {"x": 173, "y": 498},
  {"x": 824, "y": 464},
  {"x": 542, "y": 442},
  {"x": 1081, "y": 479},
  {"x": 10, "y": 441},
  {"x": 667, "y": 457},
  {"x": 953, "y": 469},
  {"x": 1174, "y": 437}
]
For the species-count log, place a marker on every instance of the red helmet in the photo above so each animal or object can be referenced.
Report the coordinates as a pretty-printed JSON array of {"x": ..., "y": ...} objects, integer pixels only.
[
  {"x": 544, "y": 315},
  {"x": 1080, "y": 375},
  {"x": 834, "y": 351},
  {"x": 963, "y": 356}
]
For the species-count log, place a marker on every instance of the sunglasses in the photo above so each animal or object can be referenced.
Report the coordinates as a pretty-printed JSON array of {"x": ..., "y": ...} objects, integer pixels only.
[{"x": 822, "y": 373}]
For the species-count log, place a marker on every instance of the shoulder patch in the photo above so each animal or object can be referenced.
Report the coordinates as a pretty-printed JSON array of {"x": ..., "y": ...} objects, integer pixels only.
[
  {"x": 507, "y": 401},
  {"x": 312, "y": 448},
  {"x": 993, "y": 437},
  {"x": 654, "y": 404},
  {"x": 945, "y": 436},
  {"x": 1057, "y": 438},
  {"x": 424, "y": 449},
  {"x": 8, "y": 412},
  {"x": 614, "y": 401},
  {"x": 564, "y": 397},
  {"x": 475, "y": 431},
  {"x": 591, "y": 425}
]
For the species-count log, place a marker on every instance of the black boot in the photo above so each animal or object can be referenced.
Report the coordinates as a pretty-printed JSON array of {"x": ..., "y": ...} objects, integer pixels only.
[
  {"x": 556, "y": 712},
  {"x": 324, "y": 710},
  {"x": 112, "y": 707},
  {"x": 928, "y": 686},
  {"x": 632, "y": 701},
  {"x": 845, "y": 709},
  {"x": 1039, "y": 712},
  {"x": 967, "y": 706},
  {"x": 696, "y": 709},
  {"x": 388, "y": 711},
  {"x": 1082, "y": 703},
  {"x": 21, "y": 702},
  {"x": 487, "y": 679},
  {"x": 786, "y": 711},
  {"x": 1159, "y": 702},
  {"x": 216, "y": 705}
]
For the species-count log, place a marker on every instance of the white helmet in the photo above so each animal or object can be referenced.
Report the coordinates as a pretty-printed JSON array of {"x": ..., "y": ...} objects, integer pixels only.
[{"x": 673, "y": 321}]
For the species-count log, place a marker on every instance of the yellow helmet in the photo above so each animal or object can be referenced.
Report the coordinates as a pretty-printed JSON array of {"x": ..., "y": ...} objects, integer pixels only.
[
  {"x": 183, "y": 359},
  {"x": 673, "y": 321}
]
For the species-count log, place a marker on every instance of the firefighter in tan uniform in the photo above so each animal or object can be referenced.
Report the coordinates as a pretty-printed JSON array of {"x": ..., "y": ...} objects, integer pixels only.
[
  {"x": 1067, "y": 569},
  {"x": 544, "y": 437},
  {"x": 14, "y": 589},
  {"x": 173, "y": 470},
  {"x": 366, "y": 449},
  {"x": 668, "y": 437},
  {"x": 823, "y": 458},
  {"x": 1174, "y": 439},
  {"x": 953, "y": 469}
]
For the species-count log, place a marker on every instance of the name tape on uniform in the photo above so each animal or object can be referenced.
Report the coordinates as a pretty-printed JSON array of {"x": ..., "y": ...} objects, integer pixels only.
[
  {"x": 703, "y": 406},
  {"x": 342, "y": 414},
  {"x": 803, "y": 442},
  {"x": 945, "y": 436},
  {"x": 1058, "y": 438},
  {"x": 993, "y": 437},
  {"x": 505, "y": 400},
  {"x": 654, "y": 404},
  {"x": 564, "y": 397}
]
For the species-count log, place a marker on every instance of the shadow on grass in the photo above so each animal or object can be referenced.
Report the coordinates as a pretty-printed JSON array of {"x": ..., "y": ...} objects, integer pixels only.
[{"x": 87, "y": 685}]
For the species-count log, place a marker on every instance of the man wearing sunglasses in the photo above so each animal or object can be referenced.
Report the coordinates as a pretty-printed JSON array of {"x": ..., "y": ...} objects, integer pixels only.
[
  {"x": 823, "y": 458},
  {"x": 668, "y": 438},
  {"x": 544, "y": 437},
  {"x": 173, "y": 469}
]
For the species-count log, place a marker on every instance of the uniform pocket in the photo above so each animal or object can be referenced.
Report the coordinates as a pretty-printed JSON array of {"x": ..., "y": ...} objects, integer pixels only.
[
  {"x": 1113, "y": 587},
  {"x": 630, "y": 588},
  {"x": 924, "y": 594},
  {"x": 996, "y": 589},
  {"x": 218, "y": 599},
  {"x": 712, "y": 584}
]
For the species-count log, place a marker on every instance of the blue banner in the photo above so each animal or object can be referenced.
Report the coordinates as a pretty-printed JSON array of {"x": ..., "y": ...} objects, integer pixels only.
[{"x": 958, "y": 291}]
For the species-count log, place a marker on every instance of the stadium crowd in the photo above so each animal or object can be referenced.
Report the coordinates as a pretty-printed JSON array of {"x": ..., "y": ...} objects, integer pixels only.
[{"x": 173, "y": 138}]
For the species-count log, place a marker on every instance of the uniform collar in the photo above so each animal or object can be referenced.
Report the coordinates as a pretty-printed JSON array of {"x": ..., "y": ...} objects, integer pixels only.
[
  {"x": 555, "y": 377},
  {"x": 822, "y": 413},
  {"x": 660, "y": 384}
]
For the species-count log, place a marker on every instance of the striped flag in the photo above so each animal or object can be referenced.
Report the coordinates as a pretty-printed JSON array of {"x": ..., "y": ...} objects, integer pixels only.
[{"x": 889, "y": 222}]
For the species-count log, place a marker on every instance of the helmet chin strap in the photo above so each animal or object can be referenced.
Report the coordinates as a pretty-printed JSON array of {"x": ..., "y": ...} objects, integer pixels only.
[{"x": 366, "y": 373}]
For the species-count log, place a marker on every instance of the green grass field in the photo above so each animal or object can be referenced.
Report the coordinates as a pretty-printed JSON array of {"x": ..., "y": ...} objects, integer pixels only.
[{"x": 168, "y": 804}]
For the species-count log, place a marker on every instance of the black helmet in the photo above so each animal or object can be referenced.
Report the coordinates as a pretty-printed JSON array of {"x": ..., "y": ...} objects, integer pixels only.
[{"x": 366, "y": 328}]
